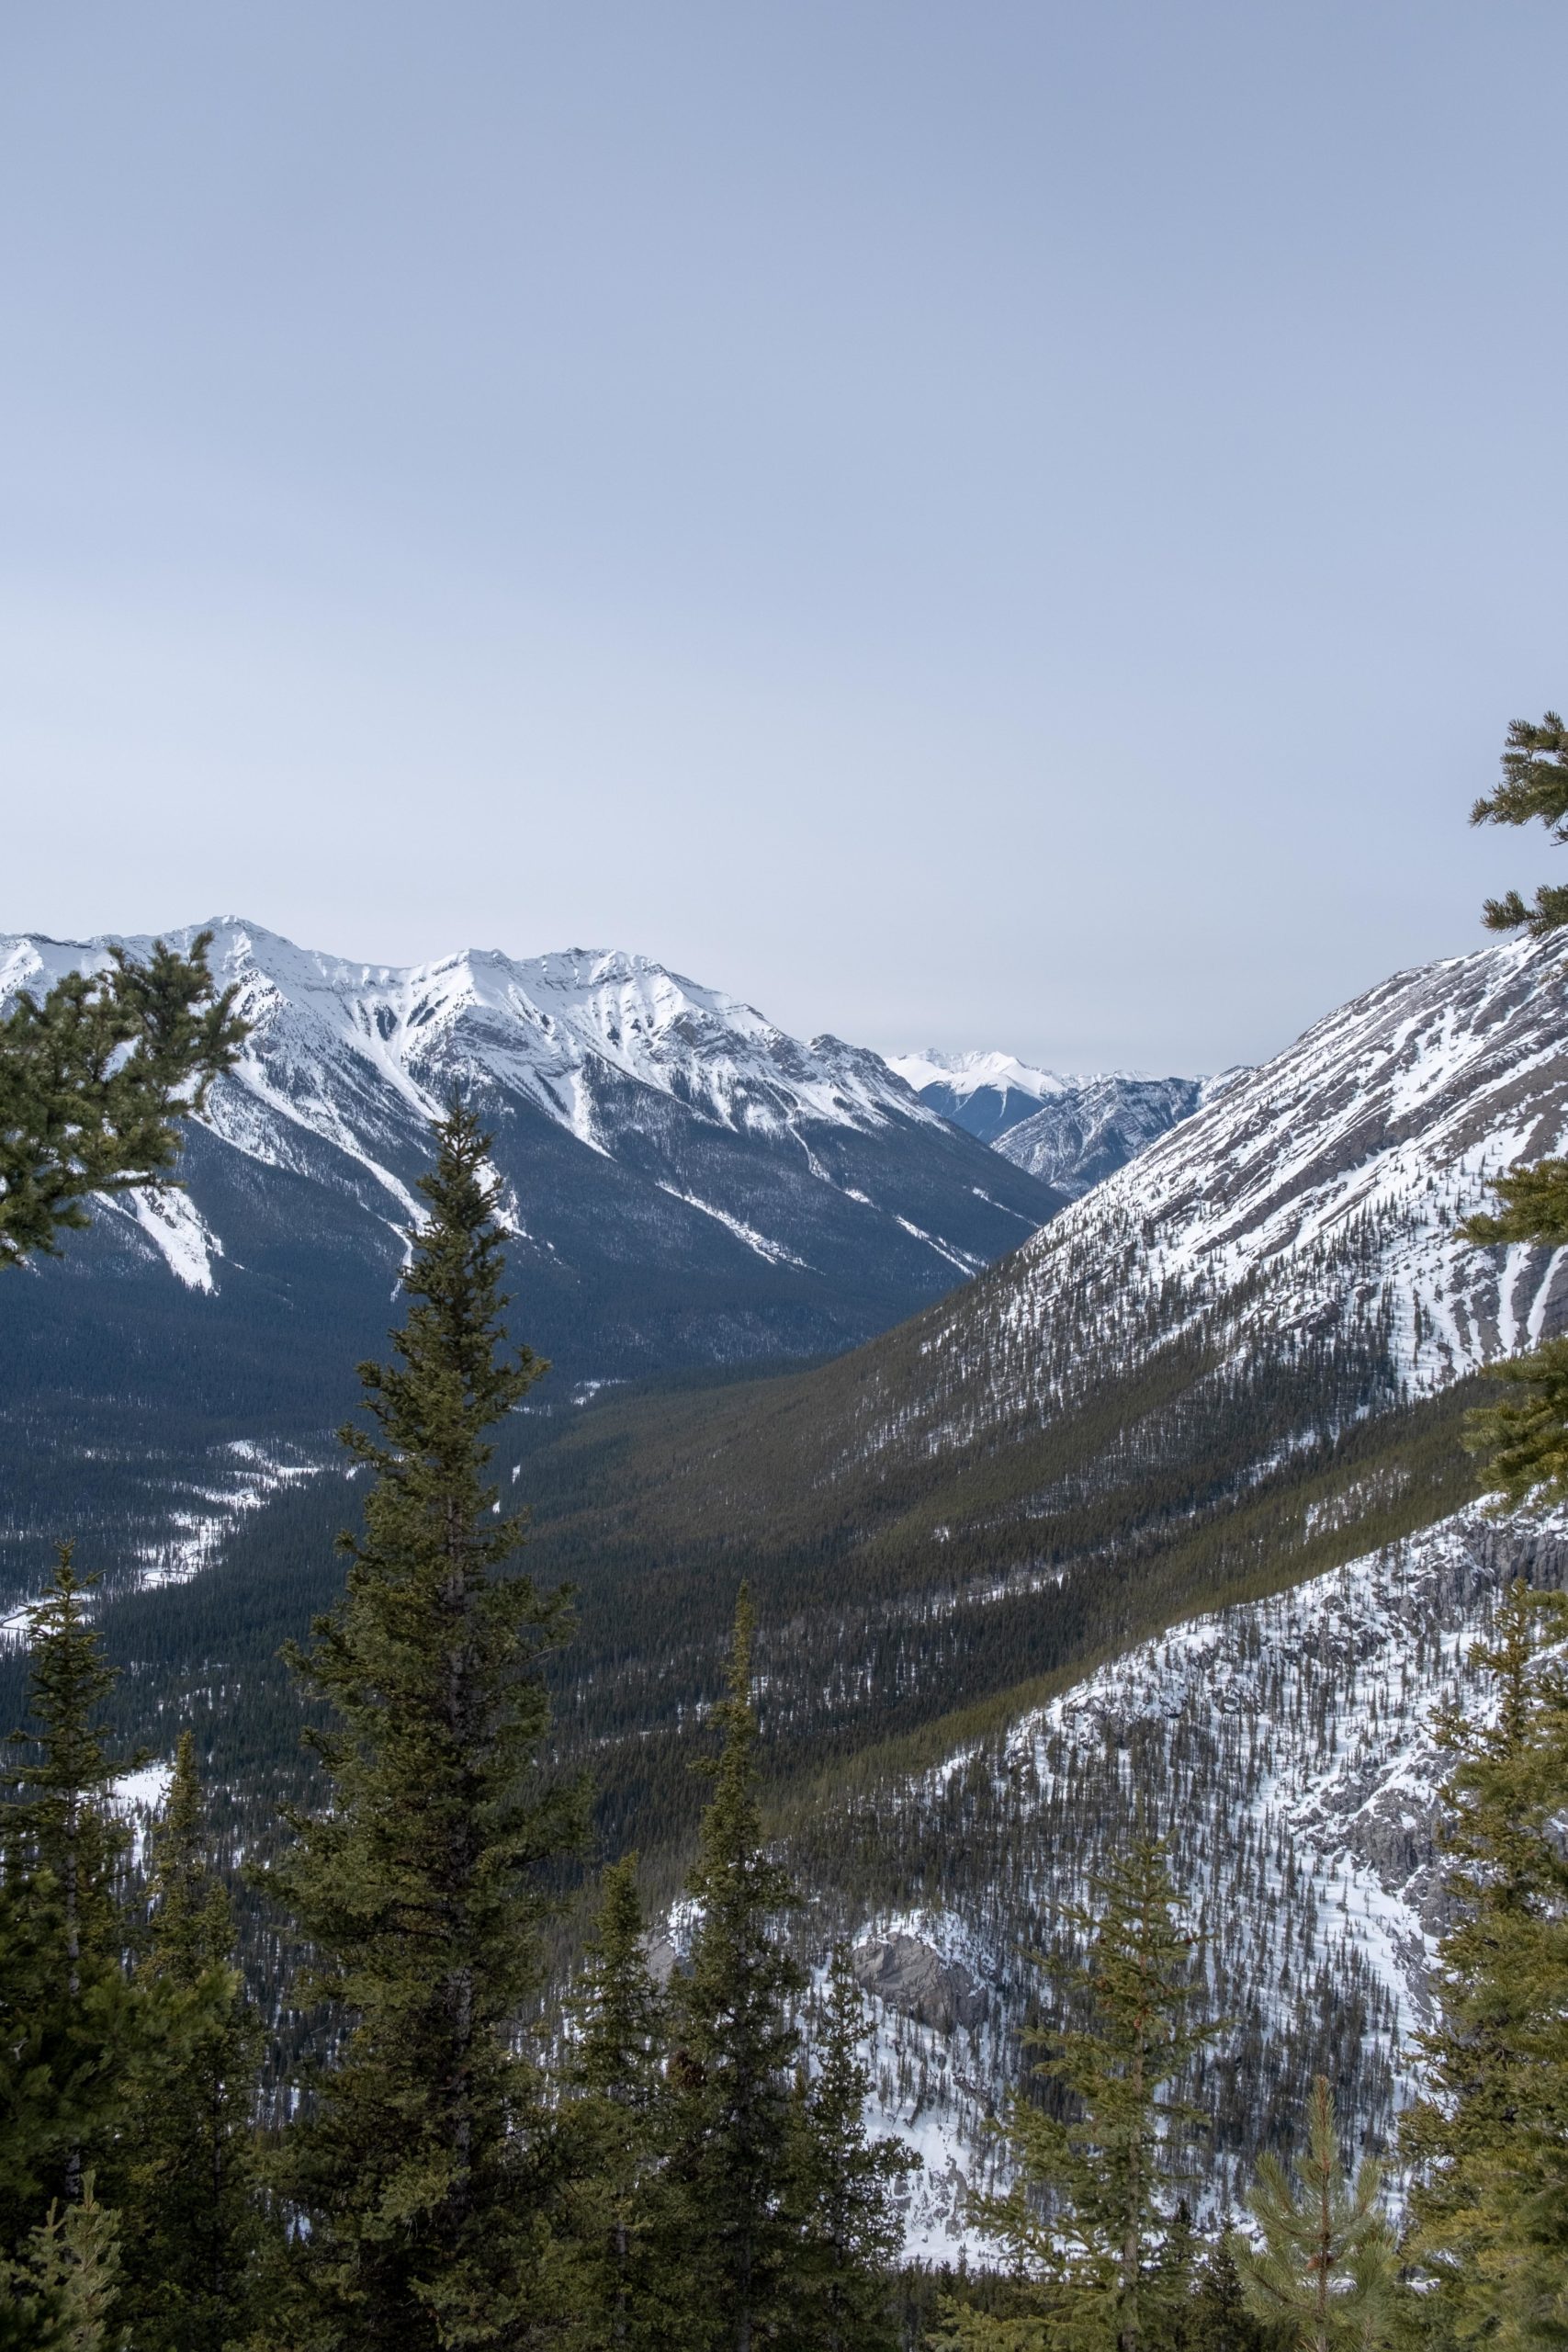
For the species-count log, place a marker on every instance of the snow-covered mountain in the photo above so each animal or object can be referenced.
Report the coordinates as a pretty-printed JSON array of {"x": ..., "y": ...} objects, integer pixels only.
[
  {"x": 985, "y": 1093},
  {"x": 1312, "y": 1199},
  {"x": 1096, "y": 1125},
  {"x": 1071, "y": 1132},
  {"x": 685, "y": 1183},
  {"x": 1284, "y": 1747}
]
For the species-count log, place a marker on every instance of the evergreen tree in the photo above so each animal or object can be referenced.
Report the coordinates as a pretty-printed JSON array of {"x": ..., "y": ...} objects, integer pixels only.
[
  {"x": 1490, "y": 2207},
  {"x": 1107, "y": 2173},
  {"x": 1173, "y": 2287},
  {"x": 735, "y": 2044},
  {"x": 1534, "y": 788},
  {"x": 94, "y": 1081},
  {"x": 617, "y": 2129},
  {"x": 1525, "y": 1439},
  {"x": 416, "y": 2171},
  {"x": 852, "y": 2224},
  {"x": 1219, "y": 2319},
  {"x": 61, "y": 2295},
  {"x": 66, "y": 2024},
  {"x": 188, "y": 2171},
  {"x": 1327, "y": 2267}
]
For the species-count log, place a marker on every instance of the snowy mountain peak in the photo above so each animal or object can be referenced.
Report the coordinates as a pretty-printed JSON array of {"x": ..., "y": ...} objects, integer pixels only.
[
  {"x": 965, "y": 1074},
  {"x": 557, "y": 1028}
]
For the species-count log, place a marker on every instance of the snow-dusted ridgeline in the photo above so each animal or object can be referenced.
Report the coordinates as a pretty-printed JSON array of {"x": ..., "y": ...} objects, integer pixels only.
[{"x": 1312, "y": 1203}]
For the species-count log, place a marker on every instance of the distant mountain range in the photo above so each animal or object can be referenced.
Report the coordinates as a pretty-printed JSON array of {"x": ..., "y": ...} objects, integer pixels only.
[
  {"x": 686, "y": 1186},
  {"x": 1071, "y": 1132}
]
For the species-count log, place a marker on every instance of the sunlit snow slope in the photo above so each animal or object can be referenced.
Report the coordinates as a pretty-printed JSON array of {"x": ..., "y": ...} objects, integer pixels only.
[{"x": 1311, "y": 1203}]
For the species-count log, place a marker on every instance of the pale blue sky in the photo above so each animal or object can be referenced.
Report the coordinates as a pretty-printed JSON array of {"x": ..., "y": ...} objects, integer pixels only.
[{"x": 981, "y": 523}]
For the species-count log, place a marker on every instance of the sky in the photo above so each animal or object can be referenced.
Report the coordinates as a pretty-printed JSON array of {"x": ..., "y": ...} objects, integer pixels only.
[{"x": 1005, "y": 525}]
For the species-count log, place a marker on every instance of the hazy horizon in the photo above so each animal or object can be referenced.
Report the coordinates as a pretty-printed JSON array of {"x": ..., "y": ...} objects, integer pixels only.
[{"x": 1006, "y": 528}]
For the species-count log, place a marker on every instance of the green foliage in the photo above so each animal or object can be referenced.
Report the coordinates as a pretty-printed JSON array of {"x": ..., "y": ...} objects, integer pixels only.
[
  {"x": 1218, "y": 2319},
  {"x": 844, "y": 2192},
  {"x": 67, "y": 2028},
  {"x": 625, "y": 2286},
  {"x": 1525, "y": 1441},
  {"x": 61, "y": 2295},
  {"x": 1534, "y": 786},
  {"x": 1535, "y": 1207},
  {"x": 94, "y": 1080},
  {"x": 1324, "y": 2272},
  {"x": 1490, "y": 2208},
  {"x": 735, "y": 2113},
  {"x": 420, "y": 1884},
  {"x": 1090, "y": 2210},
  {"x": 188, "y": 2167}
]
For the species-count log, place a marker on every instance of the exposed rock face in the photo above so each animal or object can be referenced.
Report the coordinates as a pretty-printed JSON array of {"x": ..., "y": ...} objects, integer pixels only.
[
  {"x": 1285, "y": 1749},
  {"x": 1096, "y": 1127},
  {"x": 910, "y": 1976}
]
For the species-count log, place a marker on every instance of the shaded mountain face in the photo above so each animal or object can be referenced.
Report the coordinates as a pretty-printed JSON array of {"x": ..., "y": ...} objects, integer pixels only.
[
  {"x": 1096, "y": 1127},
  {"x": 685, "y": 1185},
  {"x": 1071, "y": 1132},
  {"x": 983, "y": 1093}
]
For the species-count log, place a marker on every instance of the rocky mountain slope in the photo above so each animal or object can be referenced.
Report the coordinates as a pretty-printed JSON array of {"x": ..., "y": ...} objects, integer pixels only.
[
  {"x": 1284, "y": 1747},
  {"x": 685, "y": 1186},
  {"x": 1096, "y": 1127}
]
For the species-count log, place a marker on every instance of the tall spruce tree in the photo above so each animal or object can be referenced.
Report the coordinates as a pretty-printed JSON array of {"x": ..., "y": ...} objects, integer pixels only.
[
  {"x": 851, "y": 2225},
  {"x": 615, "y": 2124},
  {"x": 1490, "y": 2204},
  {"x": 67, "y": 2019},
  {"x": 1324, "y": 2272},
  {"x": 189, "y": 2169},
  {"x": 1094, "y": 2197},
  {"x": 416, "y": 2170},
  {"x": 736, "y": 2043}
]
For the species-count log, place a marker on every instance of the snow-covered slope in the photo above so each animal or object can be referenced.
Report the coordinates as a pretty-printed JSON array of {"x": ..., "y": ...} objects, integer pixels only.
[
  {"x": 337, "y": 1046},
  {"x": 1284, "y": 1747},
  {"x": 1311, "y": 1203},
  {"x": 1096, "y": 1125}
]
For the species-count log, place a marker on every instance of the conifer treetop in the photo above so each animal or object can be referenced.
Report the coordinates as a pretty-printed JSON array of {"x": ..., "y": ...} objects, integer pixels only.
[
  {"x": 1534, "y": 787},
  {"x": 94, "y": 1081}
]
